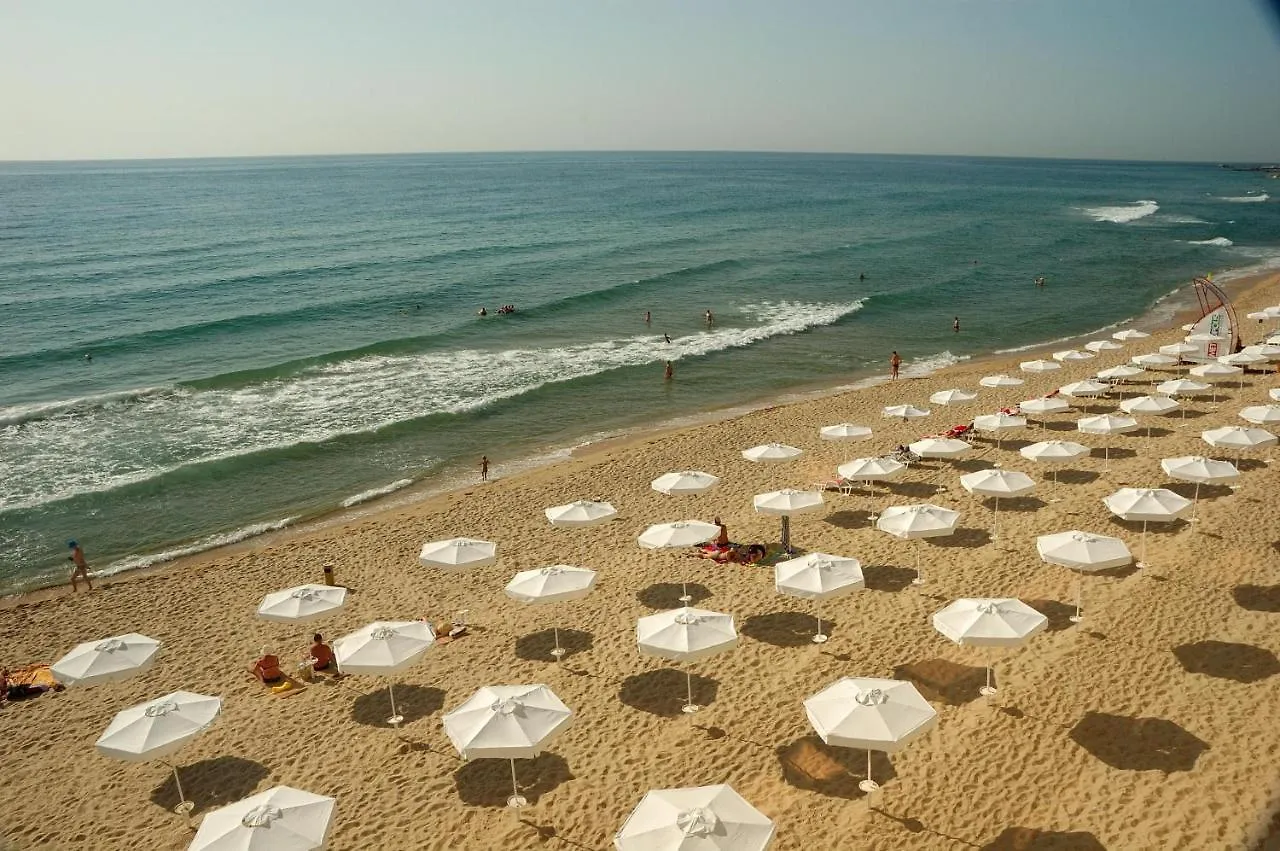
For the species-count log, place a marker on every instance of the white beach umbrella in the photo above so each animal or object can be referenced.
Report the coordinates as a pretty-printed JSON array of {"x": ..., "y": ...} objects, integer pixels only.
[
  {"x": 1146, "y": 505},
  {"x": 1215, "y": 372},
  {"x": 989, "y": 622},
  {"x": 1119, "y": 373},
  {"x": 1181, "y": 387},
  {"x": 952, "y": 397},
  {"x": 1267, "y": 351},
  {"x": 785, "y": 504},
  {"x": 302, "y": 604},
  {"x": 1043, "y": 406},
  {"x": 1242, "y": 359},
  {"x": 1177, "y": 350},
  {"x": 507, "y": 722},
  {"x": 1274, "y": 393},
  {"x": 1273, "y": 340},
  {"x": 1072, "y": 355},
  {"x": 871, "y": 470},
  {"x": 772, "y": 453},
  {"x": 554, "y": 584},
  {"x": 1088, "y": 387},
  {"x": 916, "y": 522},
  {"x": 844, "y": 431},
  {"x": 458, "y": 553},
  {"x": 1098, "y": 346},
  {"x": 1129, "y": 334},
  {"x": 998, "y": 423},
  {"x": 684, "y": 482},
  {"x": 1200, "y": 471},
  {"x": 997, "y": 483},
  {"x": 818, "y": 576},
  {"x": 279, "y": 819},
  {"x": 1054, "y": 452},
  {"x": 580, "y": 514},
  {"x": 686, "y": 635},
  {"x": 940, "y": 447},
  {"x": 158, "y": 729},
  {"x": 384, "y": 648},
  {"x": 1000, "y": 380},
  {"x": 1039, "y": 366},
  {"x": 1239, "y": 438},
  {"x": 906, "y": 412},
  {"x": 1261, "y": 414},
  {"x": 700, "y": 818},
  {"x": 107, "y": 660},
  {"x": 1106, "y": 425},
  {"x": 1273, "y": 311},
  {"x": 1204, "y": 338},
  {"x": 1159, "y": 406},
  {"x": 1084, "y": 552},
  {"x": 1153, "y": 360},
  {"x": 872, "y": 714},
  {"x": 681, "y": 533}
]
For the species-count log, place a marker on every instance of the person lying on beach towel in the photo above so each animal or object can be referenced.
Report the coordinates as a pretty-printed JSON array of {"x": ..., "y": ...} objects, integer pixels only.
[
  {"x": 736, "y": 554},
  {"x": 27, "y": 681}
]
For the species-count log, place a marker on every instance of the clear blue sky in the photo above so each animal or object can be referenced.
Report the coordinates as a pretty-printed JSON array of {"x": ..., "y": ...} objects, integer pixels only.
[{"x": 1135, "y": 79}]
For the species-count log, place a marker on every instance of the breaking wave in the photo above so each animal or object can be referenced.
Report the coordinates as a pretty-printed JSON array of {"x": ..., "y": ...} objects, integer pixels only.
[{"x": 1122, "y": 215}]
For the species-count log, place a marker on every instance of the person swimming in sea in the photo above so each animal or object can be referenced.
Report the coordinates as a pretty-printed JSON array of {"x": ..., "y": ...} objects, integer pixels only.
[{"x": 482, "y": 312}]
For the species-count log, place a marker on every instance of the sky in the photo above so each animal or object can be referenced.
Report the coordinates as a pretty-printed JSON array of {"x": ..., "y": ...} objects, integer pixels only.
[{"x": 1192, "y": 80}]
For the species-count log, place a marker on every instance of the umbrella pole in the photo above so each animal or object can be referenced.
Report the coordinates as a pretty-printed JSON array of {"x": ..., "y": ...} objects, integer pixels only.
[
  {"x": 1143, "y": 561},
  {"x": 818, "y": 637},
  {"x": 689, "y": 706},
  {"x": 685, "y": 596},
  {"x": 988, "y": 689},
  {"x": 1195, "y": 503},
  {"x": 396, "y": 718},
  {"x": 919, "y": 580},
  {"x": 516, "y": 799},
  {"x": 786, "y": 533},
  {"x": 558, "y": 651},
  {"x": 868, "y": 785},
  {"x": 1079, "y": 594},
  {"x": 184, "y": 806},
  {"x": 995, "y": 520}
]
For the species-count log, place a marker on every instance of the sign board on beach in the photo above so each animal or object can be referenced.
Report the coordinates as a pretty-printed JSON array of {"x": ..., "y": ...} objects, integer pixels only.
[{"x": 1218, "y": 318}]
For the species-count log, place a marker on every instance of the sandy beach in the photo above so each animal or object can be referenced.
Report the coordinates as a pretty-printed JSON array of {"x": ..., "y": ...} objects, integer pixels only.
[{"x": 1147, "y": 726}]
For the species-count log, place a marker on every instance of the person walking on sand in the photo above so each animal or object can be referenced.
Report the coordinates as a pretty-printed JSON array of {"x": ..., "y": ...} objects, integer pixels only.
[
  {"x": 669, "y": 373},
  {"x": 955, "y": 325},
  {"x": 484, "y": 468},
  {"x": 895, "y": 362},
  {"x": 81, "y": 567}
]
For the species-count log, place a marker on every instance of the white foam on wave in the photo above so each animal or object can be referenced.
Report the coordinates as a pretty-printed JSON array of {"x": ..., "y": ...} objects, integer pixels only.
[
  {"x": 109, "y": 446},
  {"x": 1217, "y": 240},
  {"x": 374, "y": 493},
  {"x": 1122, "y": 215},
  {"x": 1246, "y": 199},
  {"x": 1174, "y": 219},
  {"x": 1045, "y": 343},
  {"x": 199, "y": 546},
  {"x": 18, "y": 414}
]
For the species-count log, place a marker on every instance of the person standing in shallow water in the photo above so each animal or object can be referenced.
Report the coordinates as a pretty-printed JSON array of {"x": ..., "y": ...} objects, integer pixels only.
[
  {"x": 669, "y": 373},
  {"x": 81, "y": 567},
  {"x": 895, "y": 363},
  {"x": 484, "y": 468},
  {"x": 955, "y": 325}
]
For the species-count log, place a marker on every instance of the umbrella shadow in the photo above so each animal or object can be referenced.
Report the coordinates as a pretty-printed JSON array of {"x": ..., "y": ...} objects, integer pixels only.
[
  {"x": 1018, "y": 503},
  {"x": 1244, "y": 465},
  {"x": 1243, "y": 663},
  {"x": 487, "y": 782},
  {"x": 1058, "y": 613},
  {"x": 1031, "y": 839},
  {"x": 846, "y": 519},
  {"x": 412, "y": 701},
  {"x": 666, "y": 595},
  {"x": 1112, "y": 452},
  {"x": 1074, "y": 477},
  {"x": 1188, "y": 490},
  {"x": 1138, "y": 744},
  {"x": 810, "y": 764},
  {"x": 1257, "y": 598},
  {"x": 537, "y": 646},
  {"x": 662, "y": 692},
  {"x": 1135, "y": 526},
  {"x": 970, "y": 465},
  {"x": 914, "y": 490},
  {"x": 886, "y": 577},
  {"x": 784, "y": 629},
  {"x": 944, "y": 681},
  {"x": 211, "y": 783},
  {"x": 966, "y": 537}
]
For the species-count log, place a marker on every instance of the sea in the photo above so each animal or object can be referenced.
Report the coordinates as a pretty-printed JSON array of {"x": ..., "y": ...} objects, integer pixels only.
[{"x": 195, "y": 352}]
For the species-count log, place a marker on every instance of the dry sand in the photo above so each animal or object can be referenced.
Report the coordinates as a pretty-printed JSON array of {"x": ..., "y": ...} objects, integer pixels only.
[{"x": 1149, "y": 726}]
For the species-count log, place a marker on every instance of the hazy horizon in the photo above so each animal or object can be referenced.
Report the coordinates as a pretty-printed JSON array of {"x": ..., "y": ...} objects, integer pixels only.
[{"x": 1147, "y": 80}]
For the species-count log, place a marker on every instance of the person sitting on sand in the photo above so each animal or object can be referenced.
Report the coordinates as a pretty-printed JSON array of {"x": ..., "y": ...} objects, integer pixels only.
[
  {"x": 320, "y": 654},
  {"x": 267, "y": 668}
]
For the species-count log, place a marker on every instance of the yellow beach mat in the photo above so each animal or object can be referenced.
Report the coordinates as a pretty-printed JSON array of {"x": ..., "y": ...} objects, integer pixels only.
[
  {"x": 38, "y": 676},
  {"x": 287, "y": 687}
]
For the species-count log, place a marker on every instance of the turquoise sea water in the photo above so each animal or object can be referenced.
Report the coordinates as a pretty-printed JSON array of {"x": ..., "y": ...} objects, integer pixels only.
[{"x": 274, "y": 338}]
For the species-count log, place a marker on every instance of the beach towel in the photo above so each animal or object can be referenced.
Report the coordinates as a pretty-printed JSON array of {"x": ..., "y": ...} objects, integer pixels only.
[
  {"x": 286, "y": 687},
  {"x": 27, "y": 681}
]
